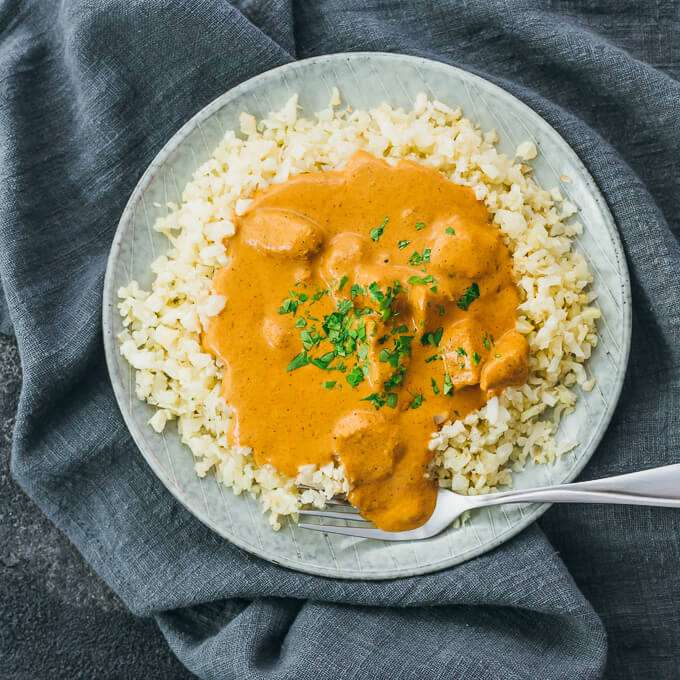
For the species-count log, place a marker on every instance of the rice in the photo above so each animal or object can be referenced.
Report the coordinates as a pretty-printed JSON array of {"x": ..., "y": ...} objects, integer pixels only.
[{"x": 162, "y": 327}]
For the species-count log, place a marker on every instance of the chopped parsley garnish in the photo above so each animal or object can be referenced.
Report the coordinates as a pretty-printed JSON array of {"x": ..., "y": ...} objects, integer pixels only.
[
  {"x": 403, "y": 244},
  {"x": 476, "y": 358},
  {"x": 288, "y": 306},
  {"x": 347, "y": 335},
  {"x": 432, "y": 338},
  {"x": 485, "y": 340},
  {"x": 448, "y": 385},
  {"x": 418, "y": 258},
  {"x": 395, "y": 379},
  {"x": 355, "y": 376},
  {"x": 471, "y": 294},
  {"x": 418, "y": 281},
  {"x": 319, "y": 294},
  {"x": 461, "y": 352},
  {"x": 344, "y": 306},
  {"x": 440, "y": 309},
  {"x": 434, "y": 357},
  {"x": 356, "y": 290},
  {"x": 498, "y": 356},
  {"x": 376, "y": 233},
  {"x": 420, "y": 225},
  {"x": 376, "y": 399},
  {"x": 450, "y": 230},
  {"x": 300, "y": 360}
]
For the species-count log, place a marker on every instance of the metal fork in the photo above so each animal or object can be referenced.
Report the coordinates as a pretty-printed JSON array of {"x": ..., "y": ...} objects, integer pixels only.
[{"x": 657, "y": 486}]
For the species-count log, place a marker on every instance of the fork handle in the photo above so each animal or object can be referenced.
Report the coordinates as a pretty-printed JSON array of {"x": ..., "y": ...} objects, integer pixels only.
[{"x": 658, "y": 486}]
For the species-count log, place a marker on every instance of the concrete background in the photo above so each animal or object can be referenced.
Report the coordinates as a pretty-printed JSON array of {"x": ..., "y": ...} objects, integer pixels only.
[{"x": 58, "y": 619}]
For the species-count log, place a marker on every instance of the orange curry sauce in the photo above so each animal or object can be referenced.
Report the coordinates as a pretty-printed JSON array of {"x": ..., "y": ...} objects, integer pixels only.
[{"x": 364, "y": 306}]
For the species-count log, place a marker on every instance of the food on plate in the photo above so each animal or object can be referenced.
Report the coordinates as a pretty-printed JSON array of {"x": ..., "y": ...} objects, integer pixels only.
[
  {"x": 373, "y": 303},
  {"x": 361, "y": 304}
]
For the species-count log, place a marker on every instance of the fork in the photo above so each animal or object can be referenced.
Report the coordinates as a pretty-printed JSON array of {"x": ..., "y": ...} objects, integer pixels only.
[{"x": 658, "y": 486}]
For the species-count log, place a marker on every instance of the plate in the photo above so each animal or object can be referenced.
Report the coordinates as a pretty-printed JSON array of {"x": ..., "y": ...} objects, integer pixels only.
[{"x": 366, "y": 80}]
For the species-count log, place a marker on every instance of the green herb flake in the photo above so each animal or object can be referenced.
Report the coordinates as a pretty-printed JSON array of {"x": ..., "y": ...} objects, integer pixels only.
[
  {"x": 485, "y": 340},
  {"x": 440, "y": 309},
  {"x": 355, "y": 376},
  {"x": 378, "y": 400},
  {"x": 344, "y": 306},
  {"x": 432, "y": 338},
  {"x": 418, "y": 258},
  {"x": 420, "y": 225},
  {"x": 435, "y": 389},
  {"x": 418, "y": 281},
  {"x": 450, "y": 230},
  {"x": 300, "y": 360},
  {"x": 300, "y": 322},
  {"x": 308, "y": 340},
  {"x": 395, "y": 379},
  {"x": 343, "y": 281},
  {"x": 448, "y": 385},
  {"x": 434, "y": 357},
  {"x": 288, "y": 306},
  {"x": 391, "y": 400},
  {"x": 376, "y": 233},
  {"x": 400, "y": 329},
  {"x": 403, "y": 244},
  {"x": 498, "y": 356},
  {"x": 471, "y": 294},
  {"x": 329, "y": 384},
  {"x": 417, "y": 401},
  {"x": 461, "y": 352},
  {"x": 476, "y": 358}
]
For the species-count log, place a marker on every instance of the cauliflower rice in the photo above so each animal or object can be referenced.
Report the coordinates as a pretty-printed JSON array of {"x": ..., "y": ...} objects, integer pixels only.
[{"x": 162, "y": 327}]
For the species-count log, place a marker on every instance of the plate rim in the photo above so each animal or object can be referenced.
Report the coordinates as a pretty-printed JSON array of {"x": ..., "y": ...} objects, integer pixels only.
[{"x": 534, "y": 511}]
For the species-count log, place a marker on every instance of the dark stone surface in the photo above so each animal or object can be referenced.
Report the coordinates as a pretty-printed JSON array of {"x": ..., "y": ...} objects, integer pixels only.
[{"x": 58, "y": 619}]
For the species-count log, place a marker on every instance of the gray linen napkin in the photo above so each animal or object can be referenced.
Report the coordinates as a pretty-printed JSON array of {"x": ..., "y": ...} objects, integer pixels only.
[{"x": 89, "y": 92}]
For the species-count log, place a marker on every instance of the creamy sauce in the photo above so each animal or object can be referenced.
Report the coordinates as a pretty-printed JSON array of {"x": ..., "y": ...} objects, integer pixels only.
[{"x": 326, "y": 236}]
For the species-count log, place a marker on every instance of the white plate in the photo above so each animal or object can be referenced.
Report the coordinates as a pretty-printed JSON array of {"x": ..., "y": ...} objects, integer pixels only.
[{"x": 366, "y": 80}]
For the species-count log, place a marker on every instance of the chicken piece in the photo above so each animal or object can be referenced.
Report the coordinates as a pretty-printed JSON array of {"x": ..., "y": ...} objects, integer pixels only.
[
  {"x": 363, "y": 436},
  {"x": 470, "y": 252},
  {"x": 508, "y": 365},
  {"x": 463, "y": 351},
  {"x": 344, "y": 254},
  {"x": 281, "y": 233},
  {"x": 277, "y": 334},
  {"x": 427, "y": 306}
]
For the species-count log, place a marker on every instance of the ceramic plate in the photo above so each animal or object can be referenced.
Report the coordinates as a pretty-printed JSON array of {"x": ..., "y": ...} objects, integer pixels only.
[{"x": 366, "y": 80}]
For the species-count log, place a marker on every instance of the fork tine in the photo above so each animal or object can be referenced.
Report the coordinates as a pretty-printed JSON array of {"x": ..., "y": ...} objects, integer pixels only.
[
  {"x": 335, "y": 515},
  {"x": 350, "y": 531},
  {"x": 338, "y": 501}
]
